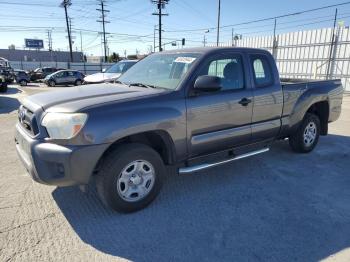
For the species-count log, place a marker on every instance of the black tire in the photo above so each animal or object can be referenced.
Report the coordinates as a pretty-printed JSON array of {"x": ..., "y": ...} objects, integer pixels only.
[
  {"x": 51, "y": 83},
  {"x": 78, "y": 82},
  {"x": 3, "y": 87},
  {"x": 23, "y": 82},
  {"x": 298, "y": 142},
  {"x": 111, "y": 170}
]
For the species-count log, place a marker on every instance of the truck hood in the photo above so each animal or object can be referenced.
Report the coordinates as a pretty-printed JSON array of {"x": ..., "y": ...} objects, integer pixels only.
[
  {"x": 101, "y": 77},
  {"x": 76, "y": 98}
]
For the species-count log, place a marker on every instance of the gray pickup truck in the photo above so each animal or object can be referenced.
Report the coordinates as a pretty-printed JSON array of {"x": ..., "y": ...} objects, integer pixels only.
[{"x": 191, "y": 109}]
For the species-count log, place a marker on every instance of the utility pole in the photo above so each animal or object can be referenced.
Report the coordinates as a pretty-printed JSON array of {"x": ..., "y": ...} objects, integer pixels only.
[
  {"x": 205, "y": 38},
  {"x": 49, "y": 37},
  {"x": 154, "y": 38},
  {"x": 218, "y": 29},
  {"x": 103, "y": 21},
  {"x": 329, "y": 66},
  {"x": 64, "y": 4},
  {"x": 81, "y": 42},
  {"x": 160, "y": 5},
  {"x": 232, "y": 37}
]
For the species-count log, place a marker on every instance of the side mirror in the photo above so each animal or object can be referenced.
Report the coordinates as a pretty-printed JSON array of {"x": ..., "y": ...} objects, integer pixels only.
[
  {"x": 208, "y": 83},
  {"x": 104, "y": 70}
]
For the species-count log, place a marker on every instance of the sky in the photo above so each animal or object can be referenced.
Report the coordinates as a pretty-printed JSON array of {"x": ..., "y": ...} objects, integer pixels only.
[{"x": 132, "y": 24}]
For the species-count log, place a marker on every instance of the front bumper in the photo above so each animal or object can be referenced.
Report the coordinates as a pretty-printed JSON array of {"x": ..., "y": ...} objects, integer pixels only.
[{"x": 54, "y": 164}]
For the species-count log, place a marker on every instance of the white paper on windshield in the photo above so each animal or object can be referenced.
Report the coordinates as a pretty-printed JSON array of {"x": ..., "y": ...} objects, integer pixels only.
[{"x": 184, "y": 59}]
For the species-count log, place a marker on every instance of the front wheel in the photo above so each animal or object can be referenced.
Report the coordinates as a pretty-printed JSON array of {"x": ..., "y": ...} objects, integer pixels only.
[
  {"x": 23, "y": 82},
  {"x": 3, "y": 87},
  {"x": 51, "y": 83},
  {"x": 130, "y": 177},
  {"x": 306, "y": 137}
]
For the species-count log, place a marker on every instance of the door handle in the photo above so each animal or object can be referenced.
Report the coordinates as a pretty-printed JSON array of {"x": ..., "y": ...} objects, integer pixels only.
[{"x": 245, "y": 101}]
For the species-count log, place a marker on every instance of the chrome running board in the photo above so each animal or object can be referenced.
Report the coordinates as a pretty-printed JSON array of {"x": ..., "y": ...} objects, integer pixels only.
[{"x": 191, "y": 169}]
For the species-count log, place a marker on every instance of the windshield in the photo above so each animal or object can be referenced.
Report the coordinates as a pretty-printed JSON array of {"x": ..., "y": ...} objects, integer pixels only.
[
  {"x": 120, "y": 67},
  {"x": 160, "y": 70}
]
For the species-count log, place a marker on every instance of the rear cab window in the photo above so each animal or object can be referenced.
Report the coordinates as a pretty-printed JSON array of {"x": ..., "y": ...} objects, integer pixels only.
[{"x": 262, "y": 70}]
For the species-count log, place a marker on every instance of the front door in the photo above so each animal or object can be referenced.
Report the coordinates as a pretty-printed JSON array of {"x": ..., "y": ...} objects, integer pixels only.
[
  {"x": 60, "y": 77},
  {"x": 222, "y": 119}
]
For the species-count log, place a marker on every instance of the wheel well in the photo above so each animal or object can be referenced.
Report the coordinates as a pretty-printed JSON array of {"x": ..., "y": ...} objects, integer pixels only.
[
  {"x": 321, "y": 109},
  {"x": 159, "y": 140}
]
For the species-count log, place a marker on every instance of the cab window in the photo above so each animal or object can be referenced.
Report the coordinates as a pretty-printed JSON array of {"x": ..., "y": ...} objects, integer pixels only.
[
  {"x": 229, "y": 68},
  {"x": 262, "y": 72}
]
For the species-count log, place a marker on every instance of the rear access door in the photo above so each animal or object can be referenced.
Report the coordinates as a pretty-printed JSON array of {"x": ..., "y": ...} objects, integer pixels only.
[{"x": 268, "y": 97}]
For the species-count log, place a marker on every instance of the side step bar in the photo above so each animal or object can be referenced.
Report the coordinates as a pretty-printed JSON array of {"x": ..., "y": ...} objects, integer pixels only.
[{"x": 191, "y": 169}]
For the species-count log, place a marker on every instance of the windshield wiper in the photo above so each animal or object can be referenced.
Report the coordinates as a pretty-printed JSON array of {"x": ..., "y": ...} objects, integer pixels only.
[{"x": 142, "y": 85}]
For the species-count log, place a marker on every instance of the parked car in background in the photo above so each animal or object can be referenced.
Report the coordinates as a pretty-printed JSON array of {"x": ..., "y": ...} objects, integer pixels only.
[
  {"x": 3, "y": 84},
  {"x": 41, "y": 73},
  {"x": 111, "y": 74},
  {"x": 21, "y": 77},
  {"x": 65, "y": 77},
  {"x": 6, "y": 70},
  {"x": 192, "y": 109}
]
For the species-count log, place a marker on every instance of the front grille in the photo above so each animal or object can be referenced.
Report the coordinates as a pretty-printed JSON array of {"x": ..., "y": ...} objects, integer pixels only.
[{"x": 27, "y": 120}]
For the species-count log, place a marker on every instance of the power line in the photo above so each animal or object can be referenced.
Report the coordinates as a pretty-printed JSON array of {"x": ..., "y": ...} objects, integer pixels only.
[{"x": 265, "y": 19}]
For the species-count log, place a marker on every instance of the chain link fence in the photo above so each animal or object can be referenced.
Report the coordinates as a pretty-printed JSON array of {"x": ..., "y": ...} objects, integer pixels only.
[{"x": 86, "y": 68}]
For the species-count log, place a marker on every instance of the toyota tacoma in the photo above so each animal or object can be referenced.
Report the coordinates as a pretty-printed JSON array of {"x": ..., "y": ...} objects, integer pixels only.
[{"x": 191, "y": 109}]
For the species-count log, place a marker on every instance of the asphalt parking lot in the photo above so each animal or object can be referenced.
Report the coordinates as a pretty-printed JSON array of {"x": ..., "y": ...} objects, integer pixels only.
[{"x": 278, "y": 206}]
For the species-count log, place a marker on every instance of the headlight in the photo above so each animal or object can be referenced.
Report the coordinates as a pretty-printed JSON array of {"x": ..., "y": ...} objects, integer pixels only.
[{"x": 63, "y": 125}]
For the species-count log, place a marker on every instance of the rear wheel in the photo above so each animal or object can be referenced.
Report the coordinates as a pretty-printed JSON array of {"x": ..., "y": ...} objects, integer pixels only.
[
  {"x": 306, "y": 137},
  {"x": 78, "y": 82},
  {"x": 130, "y": 177}
]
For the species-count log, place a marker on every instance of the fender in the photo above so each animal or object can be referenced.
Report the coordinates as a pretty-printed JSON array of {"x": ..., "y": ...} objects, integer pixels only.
[{"x": 304, "y": 102}]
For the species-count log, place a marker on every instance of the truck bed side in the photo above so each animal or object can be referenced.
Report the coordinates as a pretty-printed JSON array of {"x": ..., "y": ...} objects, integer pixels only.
[{"x": 301, "y": 95}]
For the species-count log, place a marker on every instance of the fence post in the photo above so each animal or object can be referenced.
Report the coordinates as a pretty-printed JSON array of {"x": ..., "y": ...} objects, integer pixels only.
[
  {"x": 331, "y": 52},
  {"x": 275, "y": 41},
  {"x": 84, "y": 68}
]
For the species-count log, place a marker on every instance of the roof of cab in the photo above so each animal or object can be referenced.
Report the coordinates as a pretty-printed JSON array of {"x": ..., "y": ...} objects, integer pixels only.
[{"x": 207, "y": 50}]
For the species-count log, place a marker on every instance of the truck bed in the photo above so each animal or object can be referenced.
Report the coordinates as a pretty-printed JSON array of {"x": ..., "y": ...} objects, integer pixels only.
[{"x": 293, "y": 89}]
